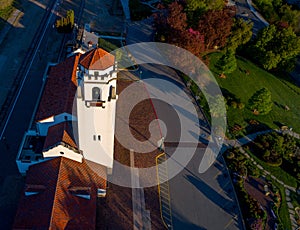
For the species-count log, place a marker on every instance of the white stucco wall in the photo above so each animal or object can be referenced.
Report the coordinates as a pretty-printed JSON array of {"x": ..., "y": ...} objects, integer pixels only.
[
  {"x": 68, "y": 153},
  {"x": 102, "y": 72},
  {"x": 97, "y": 121},
  {"x": 104, "y": 88}
]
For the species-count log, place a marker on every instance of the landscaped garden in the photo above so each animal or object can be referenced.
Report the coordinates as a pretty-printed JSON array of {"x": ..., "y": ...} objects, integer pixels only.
[
  {"x": 277, "y": 152},
  {"x": 255, "y": 202}
]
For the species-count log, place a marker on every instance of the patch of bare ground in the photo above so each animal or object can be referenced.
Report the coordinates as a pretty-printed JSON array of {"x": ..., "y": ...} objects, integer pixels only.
[{"x": 115, "y": 211}]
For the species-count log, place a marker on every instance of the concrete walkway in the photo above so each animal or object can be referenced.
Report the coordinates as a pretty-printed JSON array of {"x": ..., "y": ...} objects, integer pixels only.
[{"x": 141, "y": 216}]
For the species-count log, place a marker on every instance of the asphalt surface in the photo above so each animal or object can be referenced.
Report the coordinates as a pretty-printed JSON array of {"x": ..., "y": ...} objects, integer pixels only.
[
  {"x": 198, "y": 201},
  {"x": 244, "y": 12}
]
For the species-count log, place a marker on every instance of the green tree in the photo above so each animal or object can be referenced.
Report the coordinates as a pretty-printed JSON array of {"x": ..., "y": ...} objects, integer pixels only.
[
  {"x": 66, "y": 24},
  {"x": 276, "y": 47},
  {"x": 292, "y": 17},
  {"x": 261, "y": 101},
  {"x": 227, "y": 63},
  {"x": 269, "y": 8},
  {"x": 70, "y": 18},
  {"x": 241, "y": 33},
  {"x": 196, "y": 8}
]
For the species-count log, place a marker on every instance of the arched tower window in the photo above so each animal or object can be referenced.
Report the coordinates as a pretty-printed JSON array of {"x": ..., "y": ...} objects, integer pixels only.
[{"x": 96, "y": 94}]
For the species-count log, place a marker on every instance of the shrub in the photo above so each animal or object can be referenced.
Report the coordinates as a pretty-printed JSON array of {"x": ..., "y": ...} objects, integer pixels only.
[
  {"x": 230, "y": 155},
  {"x": 233, "y": 104},
  {"x": 261, "y": 102},
  {"x": 241, "y": 105},
  {"x": 275, "y": 164}
]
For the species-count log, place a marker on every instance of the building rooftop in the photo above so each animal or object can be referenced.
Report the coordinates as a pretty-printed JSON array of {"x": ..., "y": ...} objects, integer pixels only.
[
  {"x": 60, "y": 89},
  {"x": 97, "y": 59},
  {"x": 89, "y": 40},
  {"x": 60, "y": 133},
  {"x": 32, "y": 150},
  {"x": 60, "y": 194}
]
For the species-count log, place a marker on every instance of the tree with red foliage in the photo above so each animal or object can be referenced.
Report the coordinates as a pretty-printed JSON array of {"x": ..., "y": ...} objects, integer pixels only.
[
  {"x": 176, "y": 18},
  {"x": 193, "y": 41},
  {"x": 215, "y": 25},
  {"x": 172, "y": 26}
]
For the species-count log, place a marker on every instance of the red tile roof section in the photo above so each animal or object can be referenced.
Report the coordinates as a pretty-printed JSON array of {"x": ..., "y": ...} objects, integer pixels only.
[
  {"x": 56, "y": 207},
  {"x": 60, "y": 89},
  {"x": 97, "y": 59},
  {"x": 59, "y": 133}
]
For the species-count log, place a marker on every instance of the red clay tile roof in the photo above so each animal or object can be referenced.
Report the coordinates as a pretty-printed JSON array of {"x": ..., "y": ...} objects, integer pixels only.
[
  {"x": 60, "y": 89},
  {"x": 59, "y": 133},
  {"x": 56, "y": 207},
  {"x": 97, "y": 59}
]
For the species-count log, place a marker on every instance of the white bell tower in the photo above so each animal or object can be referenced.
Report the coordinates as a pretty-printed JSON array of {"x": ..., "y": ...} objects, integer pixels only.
[{"x": 96, "y": 105}]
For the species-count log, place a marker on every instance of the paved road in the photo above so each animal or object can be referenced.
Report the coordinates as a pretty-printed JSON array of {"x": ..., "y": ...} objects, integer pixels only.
[
  {"x": 16, "y": 41},
  {"x": 244, "y": 11}
]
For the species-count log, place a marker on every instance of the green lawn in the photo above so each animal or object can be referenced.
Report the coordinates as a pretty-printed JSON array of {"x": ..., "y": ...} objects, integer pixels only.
[
  {"x": 243, "y": 86},
  {"x": 109, "y": 45}
]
